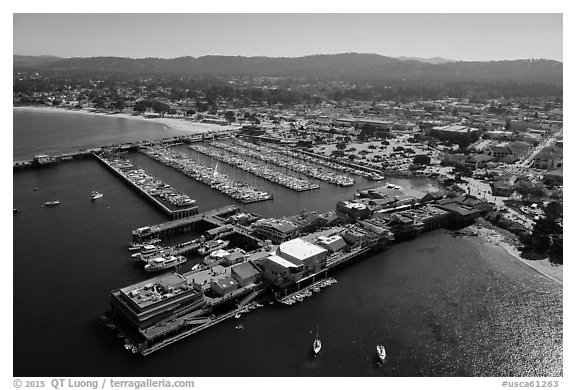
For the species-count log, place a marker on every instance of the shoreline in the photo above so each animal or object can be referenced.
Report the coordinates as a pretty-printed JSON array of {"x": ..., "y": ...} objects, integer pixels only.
[
  {"x": 492, "y": 237},
  {"x": 178, "y": 124}
]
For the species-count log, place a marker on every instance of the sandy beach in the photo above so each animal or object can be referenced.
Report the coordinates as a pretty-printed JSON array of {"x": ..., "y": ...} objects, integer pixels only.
[
  {"x": 181, "y": 124},
  {"x": 494, "y": 238}
]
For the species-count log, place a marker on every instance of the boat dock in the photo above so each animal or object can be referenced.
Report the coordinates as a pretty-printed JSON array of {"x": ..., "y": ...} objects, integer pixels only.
[
  {"x": 226, "y": 154},
  {"x": 174, "y": 214},
  {"x": 183, "y": 224},
  {"x": 191, "y": 168},
  {"x": 285, "y": 159},
  {"x": 299, "y": 295}
]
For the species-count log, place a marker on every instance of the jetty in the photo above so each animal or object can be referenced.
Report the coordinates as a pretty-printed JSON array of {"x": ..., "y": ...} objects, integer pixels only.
[{"x": 122, "y": 168}]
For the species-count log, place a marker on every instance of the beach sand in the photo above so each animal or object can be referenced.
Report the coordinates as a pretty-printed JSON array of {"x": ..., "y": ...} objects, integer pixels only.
[
  {"x": 185, "y": 125},
  {"x": 492, "y": 237}
]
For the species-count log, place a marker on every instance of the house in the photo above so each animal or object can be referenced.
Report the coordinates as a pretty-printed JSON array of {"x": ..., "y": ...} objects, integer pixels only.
[
  {"x": 506, "y": 152},
  {"x": 245, "y": 273},
  {"x": 332, "y": 243},
  {"x": 502, "y": 188},
  {"x": 455, "y": 158},
  {"x": 477, "y": 161},
  {"x": 555, "y": 176},
  {"x": 275, "y": 230},
  {"x": 549, "y": 158},
  {"x": 223, "y": 285},
  {"x": 353, "y": 209}
]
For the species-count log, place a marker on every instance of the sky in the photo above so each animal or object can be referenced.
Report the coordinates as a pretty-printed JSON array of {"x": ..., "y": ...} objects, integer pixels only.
[{"x": 467, "y": 37}]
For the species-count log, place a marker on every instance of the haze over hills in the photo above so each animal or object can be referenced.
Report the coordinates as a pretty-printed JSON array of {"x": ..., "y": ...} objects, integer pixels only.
[
  {"x": 433, "y": 60},
  {"x": 346, "y": 66}
]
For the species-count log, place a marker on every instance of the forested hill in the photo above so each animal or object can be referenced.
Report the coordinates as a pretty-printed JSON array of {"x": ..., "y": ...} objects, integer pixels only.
[{"x": 348, "y": 66}]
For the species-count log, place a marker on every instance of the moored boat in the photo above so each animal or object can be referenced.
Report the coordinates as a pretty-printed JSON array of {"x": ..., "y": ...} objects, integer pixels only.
[
  {"x": 161, "y": 263},
  {"x": 96, "y": 195},
  {"x": 212, "y": 246},
  {"x": 381, "y": 352},
  {"x": 317, "y": 344}
]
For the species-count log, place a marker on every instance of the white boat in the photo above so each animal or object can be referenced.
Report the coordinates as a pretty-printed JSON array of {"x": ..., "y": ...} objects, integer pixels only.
[
  {"x": 52, "y": 203},
  {"x": 135, "y": 247},
  {"x": 96, "y": 194},
  {"x": 161, "y": 263},
  {"x": 212, "y": 246},
  {"x": 146, "y": 250},
  {"x": 381, "y": 351},
  {"x": 317, "y": 345}
]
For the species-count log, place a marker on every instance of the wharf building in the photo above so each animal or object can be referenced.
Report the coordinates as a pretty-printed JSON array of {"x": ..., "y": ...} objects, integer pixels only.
[
  {"x": 292, "y": 261},
  {"x": 143, "y": 304},
  {"x": 280, "y": 230}
]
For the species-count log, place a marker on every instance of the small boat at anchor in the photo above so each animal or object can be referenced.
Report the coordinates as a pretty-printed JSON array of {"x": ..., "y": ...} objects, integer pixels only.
[
  {"x": 317, "y": 344},
  {"x": 381, "y": 352},
  {"x": 96, "y": 195},
  {"x": 52, "y": 203}
]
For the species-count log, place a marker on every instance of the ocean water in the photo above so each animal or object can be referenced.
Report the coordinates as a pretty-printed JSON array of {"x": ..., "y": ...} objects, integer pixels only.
[
  {"x": 442, "y": 305},
  {"x": 56, "y": 132}
]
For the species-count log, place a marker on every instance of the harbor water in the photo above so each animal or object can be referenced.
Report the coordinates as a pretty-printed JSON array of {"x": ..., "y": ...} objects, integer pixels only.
[{"x": 442, "y": 305}]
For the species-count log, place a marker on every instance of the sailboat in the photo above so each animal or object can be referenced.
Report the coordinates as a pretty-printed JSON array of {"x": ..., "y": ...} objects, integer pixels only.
[
  {"x": 381, "y": 351},
  {"x": 317, "y": 345}
]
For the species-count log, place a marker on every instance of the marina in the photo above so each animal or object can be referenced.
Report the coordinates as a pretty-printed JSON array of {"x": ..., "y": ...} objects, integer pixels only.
[
  {"x": 267, "y": 155},
  {"x": 256, "y": 169},
  {"x": 151, "y": 189},
  {"x": 236, "y": 190},
  {"x": 299, "y": 295}
]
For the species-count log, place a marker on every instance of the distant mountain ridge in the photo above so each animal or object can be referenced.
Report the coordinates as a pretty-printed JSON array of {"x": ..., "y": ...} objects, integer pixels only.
[
  {"x": 433, "y": 60},
  {"x": 346, "y": 66}
]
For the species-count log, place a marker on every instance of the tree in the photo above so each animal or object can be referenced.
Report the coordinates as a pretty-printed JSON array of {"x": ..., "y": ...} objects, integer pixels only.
[
  {"x": 230, "y": 116},
  {"x": 160, "y": 108},
  {"x": 341, "y": 145},
  {"x": 119, "y": 104},
  {"x": 141, "y": 106},
  {"x": 99, "y": 102},
  {"x": 547, "y": 230},
  {"x": 421, "y": 160}
]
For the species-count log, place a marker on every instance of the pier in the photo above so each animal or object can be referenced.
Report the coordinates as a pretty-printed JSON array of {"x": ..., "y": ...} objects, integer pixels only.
[
  {"x": 183, "y": 225},
  {"x": 176, "y": 328},
  {"x": 174, "y": 214}
]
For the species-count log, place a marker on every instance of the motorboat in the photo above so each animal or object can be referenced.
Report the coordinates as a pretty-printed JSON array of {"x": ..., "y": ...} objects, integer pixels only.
[
  {"x": 212, "y": 246},
  {"x": 96, "y": 195},
  {"x": 146, "y": 250},
  {"x": 161, "y": 263},
  {"x": 52, "y": 203}
]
